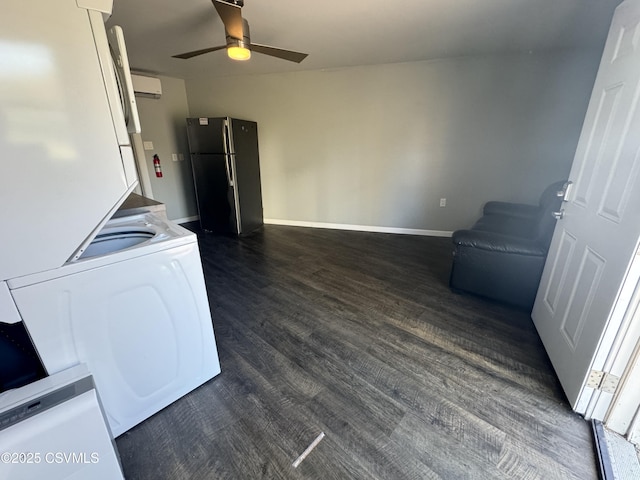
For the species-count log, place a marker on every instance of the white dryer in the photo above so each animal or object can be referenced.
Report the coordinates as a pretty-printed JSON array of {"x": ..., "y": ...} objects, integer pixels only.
[{"x": 133, "y": 308}]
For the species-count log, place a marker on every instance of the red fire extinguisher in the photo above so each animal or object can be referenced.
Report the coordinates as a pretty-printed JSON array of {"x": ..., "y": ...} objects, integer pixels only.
[{"x": 156, "y": 166}]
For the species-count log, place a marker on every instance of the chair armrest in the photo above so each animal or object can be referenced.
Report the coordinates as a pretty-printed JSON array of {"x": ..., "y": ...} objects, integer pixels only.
[
  {"x": 511, "y": 209},
  {"x": 497, "y": 242}
]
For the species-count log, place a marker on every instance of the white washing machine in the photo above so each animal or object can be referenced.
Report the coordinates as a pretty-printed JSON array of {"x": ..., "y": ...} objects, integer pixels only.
[{"x": 134, "y": 308}]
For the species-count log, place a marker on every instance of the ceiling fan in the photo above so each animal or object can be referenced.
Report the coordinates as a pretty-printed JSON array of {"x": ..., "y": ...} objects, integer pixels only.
[{"x": 239, "y": 45}]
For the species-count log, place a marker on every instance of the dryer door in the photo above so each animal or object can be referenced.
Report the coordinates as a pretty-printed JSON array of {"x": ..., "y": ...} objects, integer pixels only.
[
  {"x": 62, "y": 169},
  {"x": 142, "y": 326}
]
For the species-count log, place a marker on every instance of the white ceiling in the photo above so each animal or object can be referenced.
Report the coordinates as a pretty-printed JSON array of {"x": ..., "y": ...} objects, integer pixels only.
[{"x": 339, "y": 33}]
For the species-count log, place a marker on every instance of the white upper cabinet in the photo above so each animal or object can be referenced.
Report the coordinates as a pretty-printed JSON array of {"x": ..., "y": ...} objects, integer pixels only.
[{"x": 62, "y": 170}]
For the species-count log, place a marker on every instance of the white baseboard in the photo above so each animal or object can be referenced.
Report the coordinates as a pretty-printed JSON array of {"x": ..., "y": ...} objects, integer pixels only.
[
  {"x": 359, "y": 228},
  {"x": 186, "y": 219}
]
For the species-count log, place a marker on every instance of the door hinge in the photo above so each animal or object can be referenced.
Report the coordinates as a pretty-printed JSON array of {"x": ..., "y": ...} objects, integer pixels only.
[{"x": 603, "y": 381}]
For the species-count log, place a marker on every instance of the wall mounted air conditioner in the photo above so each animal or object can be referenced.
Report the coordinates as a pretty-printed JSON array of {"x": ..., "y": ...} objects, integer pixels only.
[{"x": 146, "y": 86}]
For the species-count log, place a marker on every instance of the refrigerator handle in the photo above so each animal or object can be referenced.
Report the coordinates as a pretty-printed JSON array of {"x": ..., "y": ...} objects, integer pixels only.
[
  {"x": 227, "y": 159},
  {"x": 225, "y": 137},
  {"x": 227, "y": 151}
]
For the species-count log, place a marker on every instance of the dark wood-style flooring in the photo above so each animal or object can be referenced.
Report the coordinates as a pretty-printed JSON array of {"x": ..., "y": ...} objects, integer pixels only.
[{"x": 357, "y": 335}]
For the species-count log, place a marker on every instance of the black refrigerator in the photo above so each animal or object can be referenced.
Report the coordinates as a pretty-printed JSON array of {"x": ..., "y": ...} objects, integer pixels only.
[{"x": 226, "y": 173}]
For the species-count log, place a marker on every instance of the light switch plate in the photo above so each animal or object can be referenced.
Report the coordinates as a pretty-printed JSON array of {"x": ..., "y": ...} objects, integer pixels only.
[{"x": 148, "y": 145}]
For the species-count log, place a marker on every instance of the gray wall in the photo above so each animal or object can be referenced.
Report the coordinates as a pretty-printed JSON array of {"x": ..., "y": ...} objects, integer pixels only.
[
  {"x": 380, "y": 145},
  {"x": 163, "y": 123}
]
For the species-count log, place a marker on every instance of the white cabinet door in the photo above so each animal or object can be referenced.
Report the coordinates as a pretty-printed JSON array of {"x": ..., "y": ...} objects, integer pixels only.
[
  {"x": 61, "y": 166},
  {"x": 594, "y": 243}
]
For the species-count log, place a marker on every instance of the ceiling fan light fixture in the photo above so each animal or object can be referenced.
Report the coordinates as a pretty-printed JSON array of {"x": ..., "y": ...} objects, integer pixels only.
[
  {"x": 236, "y": 52},
  {"x": 239, "y": 46}
]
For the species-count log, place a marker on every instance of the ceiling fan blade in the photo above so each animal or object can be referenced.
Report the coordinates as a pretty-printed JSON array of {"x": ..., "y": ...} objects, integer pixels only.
[
  {"x": 231, "y": 17},
  {"x": 278, "y": 52},
  {"x": 195, "y": 53}
]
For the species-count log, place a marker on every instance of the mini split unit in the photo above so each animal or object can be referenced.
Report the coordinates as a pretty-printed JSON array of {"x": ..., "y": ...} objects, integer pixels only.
[{"x": 146, "y": 86}]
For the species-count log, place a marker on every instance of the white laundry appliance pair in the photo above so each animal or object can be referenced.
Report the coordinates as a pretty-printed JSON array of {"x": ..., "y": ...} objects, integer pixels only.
[{"x": 125, "y": 296}]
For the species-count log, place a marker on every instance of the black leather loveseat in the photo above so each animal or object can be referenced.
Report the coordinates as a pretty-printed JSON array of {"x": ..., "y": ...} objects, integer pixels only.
[{"x": 503, "y": 254}]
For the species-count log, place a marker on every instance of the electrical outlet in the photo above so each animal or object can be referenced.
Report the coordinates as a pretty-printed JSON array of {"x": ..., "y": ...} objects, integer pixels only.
[
  {"x": 180, "y": 157},
  {"x": 443, "y": 202}
]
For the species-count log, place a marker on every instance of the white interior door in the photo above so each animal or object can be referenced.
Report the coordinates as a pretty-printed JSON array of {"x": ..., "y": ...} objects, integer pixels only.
[{"x": 594, "y": 243}]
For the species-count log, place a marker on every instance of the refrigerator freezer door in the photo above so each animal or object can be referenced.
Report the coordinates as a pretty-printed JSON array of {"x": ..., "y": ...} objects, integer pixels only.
[
  {"x": 246, "y": 162},
  {"x": 212, "y": 176},
  {"x": 206, "y": 135}
]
